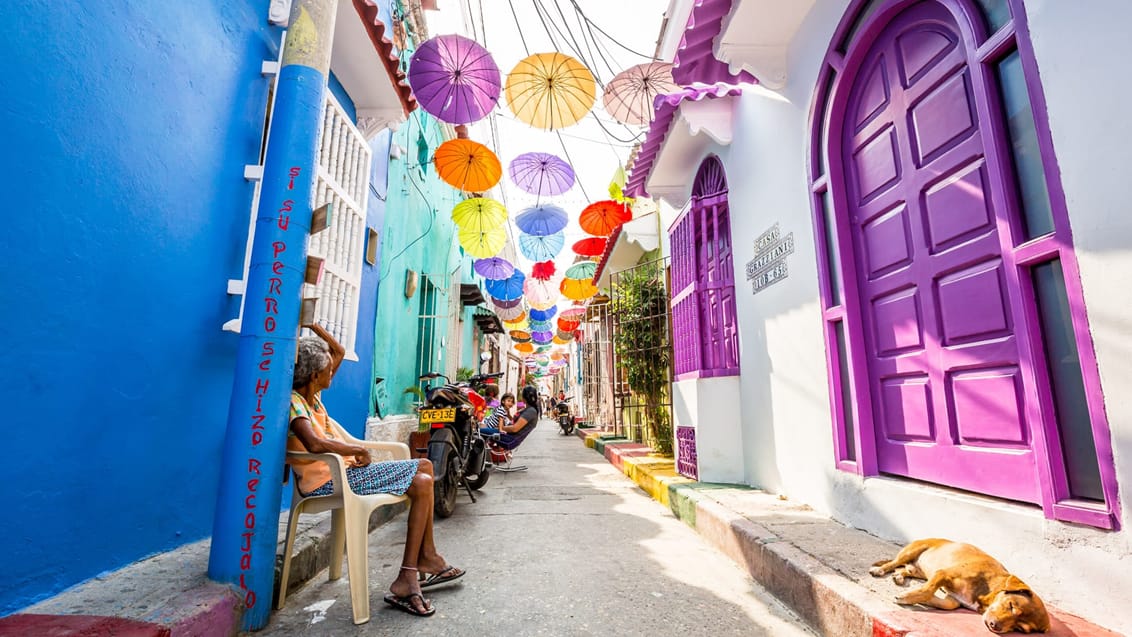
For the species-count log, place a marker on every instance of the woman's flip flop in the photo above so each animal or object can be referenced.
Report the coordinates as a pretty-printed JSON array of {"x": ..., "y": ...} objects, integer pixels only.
[
  {"x": 406, "y": 604},
  {"x": 449, "y": 574}
]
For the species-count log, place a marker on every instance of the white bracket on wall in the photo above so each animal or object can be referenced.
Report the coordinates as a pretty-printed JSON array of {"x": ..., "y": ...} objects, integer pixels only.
[{"x": 279, "y": 13}]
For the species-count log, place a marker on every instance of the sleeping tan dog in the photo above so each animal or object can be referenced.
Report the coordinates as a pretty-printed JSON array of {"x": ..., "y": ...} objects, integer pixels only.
[{"x": 970, "y": 578}]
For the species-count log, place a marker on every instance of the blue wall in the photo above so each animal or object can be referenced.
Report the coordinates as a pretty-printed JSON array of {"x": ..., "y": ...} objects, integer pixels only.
[{"x": 127, "y": 125}]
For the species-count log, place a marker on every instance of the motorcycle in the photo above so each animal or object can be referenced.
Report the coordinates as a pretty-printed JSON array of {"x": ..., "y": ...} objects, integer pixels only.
[
  {"x": 565, "y": 418},
  {"x": 457, "y": 450}
]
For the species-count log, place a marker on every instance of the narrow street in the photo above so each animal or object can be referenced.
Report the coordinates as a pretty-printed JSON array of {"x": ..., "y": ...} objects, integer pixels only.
[{"x": 569, "y": 547}]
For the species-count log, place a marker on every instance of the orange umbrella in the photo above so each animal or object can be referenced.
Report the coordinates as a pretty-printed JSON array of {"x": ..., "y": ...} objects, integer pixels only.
[
  {"x": 519, "y": 334},
  {"x": 550, "y": 90},
  {"x": 578, "y": 289},
  {"x": 601, "y": 218},
  {"x": 567, "y": 325},
  {"x": 524, "y": 348},
  {"x": 591, "y": 247},
  {"x": 467, "y": 165}
]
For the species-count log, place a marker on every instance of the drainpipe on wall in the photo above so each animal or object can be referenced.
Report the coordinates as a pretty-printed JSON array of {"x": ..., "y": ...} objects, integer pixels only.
[{"x": 246, "y": 525}]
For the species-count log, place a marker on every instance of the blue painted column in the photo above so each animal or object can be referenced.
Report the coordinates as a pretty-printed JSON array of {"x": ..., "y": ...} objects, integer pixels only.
[{"x": 246, "y": 525}]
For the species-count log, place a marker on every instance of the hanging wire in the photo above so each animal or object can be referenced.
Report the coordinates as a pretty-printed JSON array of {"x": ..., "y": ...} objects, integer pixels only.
[{"x": 612, "y": 39}]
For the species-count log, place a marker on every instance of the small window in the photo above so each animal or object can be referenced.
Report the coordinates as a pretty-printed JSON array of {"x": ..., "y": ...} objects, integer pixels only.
[
  {"x": 1036, "y": 210},
  {"x": 832, "y": 250},
  {"x": 848, "y": 425},
  {"x": 996, "y": 12}
]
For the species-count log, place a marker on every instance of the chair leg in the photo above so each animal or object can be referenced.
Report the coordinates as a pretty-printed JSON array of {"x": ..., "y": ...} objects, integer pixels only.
[
  {"x": 288, "y": 548},
  {"x": 337, "y": 542},
  {"x": 357, "y": 559}
]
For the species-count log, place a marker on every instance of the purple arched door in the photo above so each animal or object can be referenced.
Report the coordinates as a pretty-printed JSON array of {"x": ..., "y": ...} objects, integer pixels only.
[{"x": 945, "y": 375}]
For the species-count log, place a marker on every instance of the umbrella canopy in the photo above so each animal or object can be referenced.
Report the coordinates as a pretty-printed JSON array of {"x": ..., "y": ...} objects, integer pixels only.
[
  {"x": 511, "y": 314},
  {"x": 603, "y": 217},
  {"x": 493, "y": 268},
  {"x": 550, "y": 90},
  {"x": 517, "y": 323},
  {"x": 508, "y": 289},
  {"x": 506, "y": 304},
  {"x": 629, "y": 96},
  {"x": 520, "y": 340},
  {"x": 578, "y": 289},
  {"x": 542, "y": 337},
  {"x": 576, "y": 313},
  {"x": 455, "y": 79},
  {"x": 542, "y": 220},
  {"x": 467, "y": 165},
  {"x": 541, "y": 326},
  {"x": 544, "y": 315},
  {"x": 479, "y": 214},
  {"x": 565, "y": 335},
  {"x": 524, "y": 348},
  {"x": 591, "y": 247},
  {"x": 483, "y": 244},
  {"x": 542, "y": 174},
  {"x": 541, "y": 248},
  {"x": 518, "y": 334},
  {"x": 542, "y": 270},
  {"x": 539, "y": 304},
  {"x": 583, "y": 270},
  {"x": 541, "y": 291},
  {"x": 567, "y": 325}
]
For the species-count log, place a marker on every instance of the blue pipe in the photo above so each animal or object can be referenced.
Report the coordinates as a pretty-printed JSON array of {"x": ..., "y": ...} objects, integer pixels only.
[{"x": 246, "y": 525}]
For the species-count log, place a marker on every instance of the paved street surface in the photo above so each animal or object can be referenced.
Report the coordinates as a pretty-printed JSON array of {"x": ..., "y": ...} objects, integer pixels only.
[{"x": 569, "y": 547}]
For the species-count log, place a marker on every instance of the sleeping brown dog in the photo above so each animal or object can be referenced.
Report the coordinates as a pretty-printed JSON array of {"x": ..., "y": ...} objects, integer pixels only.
[{"x": 969, "y": 578}]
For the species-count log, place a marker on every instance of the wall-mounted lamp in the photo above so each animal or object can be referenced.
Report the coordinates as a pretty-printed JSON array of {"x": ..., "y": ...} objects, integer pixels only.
[{"x": 410, "y": 283}]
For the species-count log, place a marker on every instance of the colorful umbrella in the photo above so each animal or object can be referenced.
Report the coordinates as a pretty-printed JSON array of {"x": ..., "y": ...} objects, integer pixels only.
[
  {"x": 479, "y": 214},
  {"x": 493, "y": 268},
  {"x": 591, "y": 247},
  {"x": 524, "y": 348},
  {"x": 582, "y": 270},
  {"x": 519, "y": 334},
  {"x": 454, "y": 79},
  {"x": 629, "y": 96},
  {"x": 467, "y": 165},
  {"x": 508, "y": 289},
  {"x": 542, "y": 337},
  {"x": 539, "y": 304},
  {"x": 542, "y": 270},
  {"x": 542, "y": 220},
  {"x": 544, "y": 315},
  {"x": 578, "y": 289},
  {"x": 540, "y": 291},
  {"x": 542, "y": 174},
  {"x": 550, "y": 90},
  {"x": 483, "y": 244},
  {"x": 567, "y": 325},
  {"x": 576, "y": 313},
  {"x": 520, "y": 340},
  {"x": 601, "y": 218},
  {"x": 509, "y": 314},
  {"x": 541, "y": 326},
  {"x": 565, "y": 335},
  {"x": 505, "y": 304},
  {"x": 517, "y": 323},
  {"x": 542, "y": 248}
]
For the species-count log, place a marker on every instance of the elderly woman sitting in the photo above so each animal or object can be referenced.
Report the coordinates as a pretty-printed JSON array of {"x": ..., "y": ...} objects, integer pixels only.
[{"x": 421, "y": 566}]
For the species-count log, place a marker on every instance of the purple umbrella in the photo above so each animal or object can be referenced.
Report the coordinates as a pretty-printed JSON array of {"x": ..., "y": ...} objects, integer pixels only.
[
  {"x": 454, "y": 78},
  {"x": 506, "y": 304},
  {"x": 493, "y": 268},
  {"x": 542, "y": 174},
  {"x": 540, "y": 221},
  {"x": 542, "y": 337}
]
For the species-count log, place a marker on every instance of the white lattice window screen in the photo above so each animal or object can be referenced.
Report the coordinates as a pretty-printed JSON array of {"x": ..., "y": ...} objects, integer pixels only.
[{"x": 343, "y": 178}]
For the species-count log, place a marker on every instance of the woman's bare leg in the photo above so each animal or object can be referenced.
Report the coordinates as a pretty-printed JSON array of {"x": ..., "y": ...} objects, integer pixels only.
[{"x": 420, "y": 518}]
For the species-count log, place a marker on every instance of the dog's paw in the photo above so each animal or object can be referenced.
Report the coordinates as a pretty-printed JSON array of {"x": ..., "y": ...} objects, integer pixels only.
[
  {"x": 877, "y": 571},
  {"x": 904, "y": 601},
  {"x": 899, "y": 579}
]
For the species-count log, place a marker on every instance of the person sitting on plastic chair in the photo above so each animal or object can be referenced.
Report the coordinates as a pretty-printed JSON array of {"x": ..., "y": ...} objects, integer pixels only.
[{"x": 507, "y": 436}]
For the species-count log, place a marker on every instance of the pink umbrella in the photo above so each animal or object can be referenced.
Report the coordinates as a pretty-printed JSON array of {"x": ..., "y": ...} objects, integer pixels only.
[{"x": 629, "y": 95}]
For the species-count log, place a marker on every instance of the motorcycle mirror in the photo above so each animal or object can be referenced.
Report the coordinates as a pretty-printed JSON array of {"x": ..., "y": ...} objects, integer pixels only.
[{"x": 485, "y": 356}]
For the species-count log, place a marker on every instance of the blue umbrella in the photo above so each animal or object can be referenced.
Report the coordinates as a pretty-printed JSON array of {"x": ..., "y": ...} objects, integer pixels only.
[
  {"x": 541, "y": 248},
  {"x": 507, "y": 289},
  {"x": 544, "y": 315},
  {"x": 541, "y": 326},
  {"x": 543, "y": 220}
]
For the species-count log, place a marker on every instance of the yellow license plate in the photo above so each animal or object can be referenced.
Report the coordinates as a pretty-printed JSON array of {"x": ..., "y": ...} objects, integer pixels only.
[{"x": 438, "y": 415}]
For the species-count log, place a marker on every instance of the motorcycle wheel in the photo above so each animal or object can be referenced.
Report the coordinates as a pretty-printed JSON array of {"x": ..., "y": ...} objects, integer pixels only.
[
  {"x": 445, "y": 489},
  {"x": 481, "y": 478}
]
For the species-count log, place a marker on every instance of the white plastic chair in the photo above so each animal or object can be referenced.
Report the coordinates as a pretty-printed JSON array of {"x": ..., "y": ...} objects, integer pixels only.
[{"x": 349, "y": 520}]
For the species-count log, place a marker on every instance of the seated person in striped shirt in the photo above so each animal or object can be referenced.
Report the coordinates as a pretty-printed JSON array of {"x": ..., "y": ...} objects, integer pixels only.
[
  {"x": 500, "y": 416},
  {"x": 512, "y": 433}
]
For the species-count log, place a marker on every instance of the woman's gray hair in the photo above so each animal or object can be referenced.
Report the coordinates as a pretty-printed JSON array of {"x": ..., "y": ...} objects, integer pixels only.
[{"x": 312, "y": 358}]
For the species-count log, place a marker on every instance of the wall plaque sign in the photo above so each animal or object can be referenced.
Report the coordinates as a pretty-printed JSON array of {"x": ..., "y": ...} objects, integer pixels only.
[{"x": 769, "y": 265}]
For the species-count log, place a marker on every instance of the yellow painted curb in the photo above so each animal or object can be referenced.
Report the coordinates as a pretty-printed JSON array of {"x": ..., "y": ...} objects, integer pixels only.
[
  {"x": 591, "y": 439},
  {"x": 653, "y": 474}
]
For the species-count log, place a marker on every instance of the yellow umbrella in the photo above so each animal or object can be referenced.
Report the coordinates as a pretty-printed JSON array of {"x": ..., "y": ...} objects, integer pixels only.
[
  {"x": 483, "y": 244},
  {"x": 578, "y": 289},
  {"x": 479, "y": 214},
  {"x": 550, "y": 90},
  {"x": 467, "y": 165},
  {"x": 518, "y": 322}
]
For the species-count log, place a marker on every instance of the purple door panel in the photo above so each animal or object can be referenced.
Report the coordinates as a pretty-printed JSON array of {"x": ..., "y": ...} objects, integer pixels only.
[{"x": 942, "y": 352}]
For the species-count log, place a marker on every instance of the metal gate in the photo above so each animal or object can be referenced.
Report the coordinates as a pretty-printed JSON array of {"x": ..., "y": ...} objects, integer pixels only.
[
  {"x": 597, "y": 362},
  {"x": 642, "y": 354}
]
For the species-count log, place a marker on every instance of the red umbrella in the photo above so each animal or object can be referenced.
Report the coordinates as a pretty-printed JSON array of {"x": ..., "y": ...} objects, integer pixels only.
[
  {"x": 591, "y": 247},
  {"x": 601, "y": 218},
  {"x": 542, "y": 270},
  {"x": 567, "y": 325}
]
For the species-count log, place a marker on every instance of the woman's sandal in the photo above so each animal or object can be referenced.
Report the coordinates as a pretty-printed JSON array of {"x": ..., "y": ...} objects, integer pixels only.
[
  {"x": 406, "y": 604},
  {"x": 447, "y": 574}
]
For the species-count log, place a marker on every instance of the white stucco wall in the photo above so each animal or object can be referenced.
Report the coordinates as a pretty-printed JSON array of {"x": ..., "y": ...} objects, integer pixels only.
[
  {"x": 786, "y": 430},
  {"x": 710, "y": 406}
]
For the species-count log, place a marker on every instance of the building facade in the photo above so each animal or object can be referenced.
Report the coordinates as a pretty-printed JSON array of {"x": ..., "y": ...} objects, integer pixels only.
[{"x": 913, "y": 271}]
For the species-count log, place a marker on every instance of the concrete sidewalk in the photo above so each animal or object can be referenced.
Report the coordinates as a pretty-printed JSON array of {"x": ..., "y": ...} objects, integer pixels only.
[
  {"x": 169, "y": 595},
  {"x": 816, "y": 566}
]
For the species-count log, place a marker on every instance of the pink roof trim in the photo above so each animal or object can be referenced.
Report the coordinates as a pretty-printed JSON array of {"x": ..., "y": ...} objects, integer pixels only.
[
  {"x": 666, "y": 106},
  {"x": 695, "y": 60}
]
